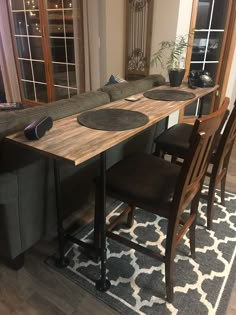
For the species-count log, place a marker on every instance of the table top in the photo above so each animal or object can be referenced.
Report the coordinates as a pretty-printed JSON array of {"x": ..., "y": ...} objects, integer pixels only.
[{"x": 75, "y": 143}]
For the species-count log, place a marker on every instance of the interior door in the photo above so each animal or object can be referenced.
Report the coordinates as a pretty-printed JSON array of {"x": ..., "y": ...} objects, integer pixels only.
[{"x": 212, "y": 21}]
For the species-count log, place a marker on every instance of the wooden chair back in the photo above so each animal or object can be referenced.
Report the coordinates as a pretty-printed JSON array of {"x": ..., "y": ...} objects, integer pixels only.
[
  {"x": 226, "y": 142},
  {"x": 197, "y": 159}
]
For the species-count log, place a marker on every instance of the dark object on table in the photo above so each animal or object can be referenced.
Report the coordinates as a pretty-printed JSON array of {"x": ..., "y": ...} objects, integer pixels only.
[
  {"x": 199, "y": 79},
  {"x": 175, "y": 141},
  {"x": 38, "y": 128},
  {"x": 176, "y": 77},
  {"x": 11, "y": 106},
  {"x": 112, "y": 119},
  {"x": 163, "y": 188},
  {"x": 168, "y": 95}
]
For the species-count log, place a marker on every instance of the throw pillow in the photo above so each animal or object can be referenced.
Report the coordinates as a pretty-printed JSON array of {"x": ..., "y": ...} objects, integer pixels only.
[{"x": 111, "y": 80}]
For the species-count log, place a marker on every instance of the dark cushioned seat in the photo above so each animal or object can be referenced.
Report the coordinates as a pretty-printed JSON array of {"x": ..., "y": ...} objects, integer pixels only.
[
  {"x": 175, "y": 140},
  {"x": 153, "y": 183}
]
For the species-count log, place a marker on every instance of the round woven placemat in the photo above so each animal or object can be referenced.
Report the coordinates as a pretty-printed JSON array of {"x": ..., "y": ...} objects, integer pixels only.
[
  {"x": 169, "y": 95},
  {"x": 112, "y": 119}
]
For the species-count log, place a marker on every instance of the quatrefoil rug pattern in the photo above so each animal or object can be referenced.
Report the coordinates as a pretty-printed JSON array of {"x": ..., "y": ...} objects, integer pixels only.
[{"x": 202, "y": 286}]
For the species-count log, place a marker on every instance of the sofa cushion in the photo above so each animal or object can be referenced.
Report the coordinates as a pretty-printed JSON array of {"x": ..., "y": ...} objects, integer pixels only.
[
  {"x": 157, "y": 79},
  {"x": 77, "y": 104},
  {"x": 11, "y": 122},
  {"x": 124, "y": 89}
]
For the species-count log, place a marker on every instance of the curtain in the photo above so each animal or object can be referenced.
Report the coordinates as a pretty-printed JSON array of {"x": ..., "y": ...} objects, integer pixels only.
[
  {"x": 91, "y": 44},
  {"x": 7, "y": 60}
]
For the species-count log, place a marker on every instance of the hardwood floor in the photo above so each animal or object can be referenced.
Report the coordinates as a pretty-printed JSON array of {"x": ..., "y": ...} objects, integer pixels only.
[{"x": 38, "y": 290}]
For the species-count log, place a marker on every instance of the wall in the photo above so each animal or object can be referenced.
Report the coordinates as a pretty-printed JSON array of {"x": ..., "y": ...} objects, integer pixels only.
[
  {"x": 171, "y": 18},
  {"x": 165, "y": 21},
  {"x": 113, "y": 37},
  {"x": 231, "y": 88}
]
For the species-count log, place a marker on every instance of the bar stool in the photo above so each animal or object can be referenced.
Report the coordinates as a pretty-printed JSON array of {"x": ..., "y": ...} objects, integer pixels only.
[
  {"x": 175, "y": 141},
  {"x": 165, "y": 189}
]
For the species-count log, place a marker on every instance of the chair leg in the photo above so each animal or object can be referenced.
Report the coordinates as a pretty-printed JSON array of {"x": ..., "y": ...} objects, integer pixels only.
[
  {"x": 192, "y": 228},
  {"x": 222, "y": 190},
  {"x": 96, "y": 233},
  {"x": 158, "y": 152},
  {"x": 169, "y": 271},
  {"x": 210, "y": 203},
  {"x": 192, "y": 238},
  {"x": 130, "y": 217}
]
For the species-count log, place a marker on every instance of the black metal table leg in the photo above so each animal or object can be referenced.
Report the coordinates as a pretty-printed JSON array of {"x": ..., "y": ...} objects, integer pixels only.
[
  {"x": 103, "y": 284},
  {"x": 61, "y": 261},
  {"x": 201, "y": 101},
  {"x": 166, "y": 122}
]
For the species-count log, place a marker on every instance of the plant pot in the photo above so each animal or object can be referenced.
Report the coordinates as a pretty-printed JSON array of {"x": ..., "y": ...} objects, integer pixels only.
[{"x": 176, "y": 76}]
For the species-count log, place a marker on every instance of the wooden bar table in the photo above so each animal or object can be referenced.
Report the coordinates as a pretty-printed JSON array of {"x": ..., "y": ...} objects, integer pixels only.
[{"x": 70, "y": 141}]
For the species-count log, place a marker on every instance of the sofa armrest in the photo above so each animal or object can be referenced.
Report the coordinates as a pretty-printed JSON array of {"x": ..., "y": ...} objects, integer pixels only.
[{"x": 10, "y": 241}]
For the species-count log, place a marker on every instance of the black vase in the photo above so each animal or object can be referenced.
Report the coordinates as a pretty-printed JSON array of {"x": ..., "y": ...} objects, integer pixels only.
[{"x": 176, "y": 76}]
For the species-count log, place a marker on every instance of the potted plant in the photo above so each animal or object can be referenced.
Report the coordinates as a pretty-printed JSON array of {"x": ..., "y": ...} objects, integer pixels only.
[{"x": 173, "y": 53}]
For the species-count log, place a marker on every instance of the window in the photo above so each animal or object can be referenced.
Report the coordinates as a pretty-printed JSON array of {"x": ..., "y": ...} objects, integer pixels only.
[{"x": 49, "y": 48}]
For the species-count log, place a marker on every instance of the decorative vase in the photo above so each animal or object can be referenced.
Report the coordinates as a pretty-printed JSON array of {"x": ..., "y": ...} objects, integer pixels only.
[{"x": 176, "y": 76}]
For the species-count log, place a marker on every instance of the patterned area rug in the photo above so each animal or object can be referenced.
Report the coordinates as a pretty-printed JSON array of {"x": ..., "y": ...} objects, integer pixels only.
[{"x": 202, "y": 286}]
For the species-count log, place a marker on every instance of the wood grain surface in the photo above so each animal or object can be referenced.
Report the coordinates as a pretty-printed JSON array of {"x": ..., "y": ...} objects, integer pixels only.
[{"x": 75, "y": 143}]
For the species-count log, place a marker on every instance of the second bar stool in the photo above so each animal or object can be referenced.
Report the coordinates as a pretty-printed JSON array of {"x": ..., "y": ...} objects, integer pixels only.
[{"x": 175, "y": 141}]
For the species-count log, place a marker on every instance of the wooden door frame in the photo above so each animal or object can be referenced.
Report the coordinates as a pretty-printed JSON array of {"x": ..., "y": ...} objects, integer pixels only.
[{"x": 226, "y": 56}]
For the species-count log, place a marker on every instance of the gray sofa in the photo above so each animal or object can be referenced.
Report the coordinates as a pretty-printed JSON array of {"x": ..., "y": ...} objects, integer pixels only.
[{"x": 27, "y": 192}]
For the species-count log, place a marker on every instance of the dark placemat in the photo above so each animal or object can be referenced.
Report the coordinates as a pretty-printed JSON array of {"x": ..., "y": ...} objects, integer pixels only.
[
  {"x": 169, "y": 95},
  {"x": 112, "y": 119}
]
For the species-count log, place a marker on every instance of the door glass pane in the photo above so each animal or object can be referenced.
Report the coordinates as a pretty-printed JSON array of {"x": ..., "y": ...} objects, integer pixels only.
[
  {"x": 219, "y": 14},
  {"x": 68, "y": 23},
  {"x": 72, "y": 76},
  {"x": 31, "y": 4},
  {"x": 41, "y": 92},
  {"x": 28, "y": 89},
  {"x": 212, "y": 69},
  {"x": 36, "y": 48},
  {"x": 54, "y": 4},
  {"x": 60, "y": 74},
  {"x": 17, "y": 5},
  {"x": 199, "y": 46},
  {"x": 72, "y": 92},
  {"x": 39, "y": 71},
  {"x": 196, "y": 66},
  {"x": 67, "y": 3},
  {"x": 58, "y": 49},
  {"x": 23, "y": 47},
  {"x": 214, "y": 46},
  {"x": 206, "y": 104},
  {"x": 61, "y": 93},
  {"x": 19, "y": 23},
  {"x": 203, "y": 14},
  {"x": 190, "y": 110},
  {"x": 26, "y": 70},
  {"x": 70, "y": 51},
  {"x": 55, "y": 23},
  {"x": 33, "y": 23}
]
